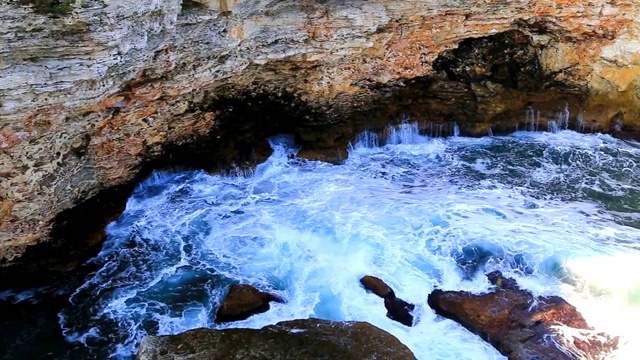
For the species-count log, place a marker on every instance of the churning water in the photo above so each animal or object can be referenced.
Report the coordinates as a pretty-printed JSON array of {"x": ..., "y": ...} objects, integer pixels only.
[{"x": 558, "y": 211}]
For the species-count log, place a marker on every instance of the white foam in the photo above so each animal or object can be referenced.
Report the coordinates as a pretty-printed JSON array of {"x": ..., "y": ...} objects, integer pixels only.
[{"x": 408, "y": 212}]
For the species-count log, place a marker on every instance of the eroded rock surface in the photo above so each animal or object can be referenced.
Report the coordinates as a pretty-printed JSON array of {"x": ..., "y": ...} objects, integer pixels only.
[
  {"x": 94, "y": 95},
  {"x": 242, "y": 301},
  {"x": 297, "y": 339},
  {"x": 522, "y": 326}
]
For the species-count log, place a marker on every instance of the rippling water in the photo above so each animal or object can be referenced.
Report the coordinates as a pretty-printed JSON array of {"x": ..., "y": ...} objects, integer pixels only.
[{"x": 558, "y": 211}]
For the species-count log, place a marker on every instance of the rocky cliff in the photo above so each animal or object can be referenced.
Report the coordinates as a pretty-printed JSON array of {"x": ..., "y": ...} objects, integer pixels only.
[{"x": 94, "y": 93}]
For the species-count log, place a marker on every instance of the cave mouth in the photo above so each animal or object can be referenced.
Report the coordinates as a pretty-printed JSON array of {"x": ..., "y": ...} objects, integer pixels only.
[
  {"x": 238, "y": 142},
  {"x": 489, "y": 85}
]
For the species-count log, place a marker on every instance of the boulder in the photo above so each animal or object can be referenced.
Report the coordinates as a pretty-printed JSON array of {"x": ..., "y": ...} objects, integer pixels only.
[
  {"x": 523, "y": 326},
  {"x": 397, "y": 309},
  {"x": 243, "y": 301},
  {"x": 297, "y": 339},
  {"x": 377, "y": 286}
]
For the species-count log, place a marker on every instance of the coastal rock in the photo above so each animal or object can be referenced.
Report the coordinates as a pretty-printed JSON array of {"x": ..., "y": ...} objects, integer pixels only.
[
  {"x": 298, "y": 339},
  {"x": 523, "y": 326},
  {"x": 377, "y": 286},
  {"x": 397, "y": 309},
  {"x": 94, "y": 94},
  {"x": 243, "y": 301}
]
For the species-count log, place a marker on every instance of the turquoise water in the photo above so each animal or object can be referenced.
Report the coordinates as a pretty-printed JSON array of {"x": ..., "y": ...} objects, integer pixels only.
[{"x": 559, "y": 211}]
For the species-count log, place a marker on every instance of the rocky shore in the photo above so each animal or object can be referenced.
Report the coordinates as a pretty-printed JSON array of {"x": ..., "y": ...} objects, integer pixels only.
[
  {"x": 517, "y": 323},
  {"x": 94, "y": 94}
]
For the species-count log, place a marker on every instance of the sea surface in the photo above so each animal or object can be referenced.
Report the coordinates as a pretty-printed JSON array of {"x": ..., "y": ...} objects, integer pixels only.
[{"x": 559, "y": 211}]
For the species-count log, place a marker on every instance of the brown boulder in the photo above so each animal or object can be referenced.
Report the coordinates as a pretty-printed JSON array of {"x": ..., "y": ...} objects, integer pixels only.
[
  {"x": 397, "y": 309},
  {"x": 309, "y": 339},
  {"x": 377, "y": 286},
  {"x": 243, "y": 301},
  {"x": 520, "y": 325}
]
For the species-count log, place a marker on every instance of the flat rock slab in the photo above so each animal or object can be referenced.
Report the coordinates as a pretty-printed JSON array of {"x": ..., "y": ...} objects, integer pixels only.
[
  {"x": 242, "y": 301},
  {"x": 523, "y": 326},
  {"x": 297, "y": 339}
]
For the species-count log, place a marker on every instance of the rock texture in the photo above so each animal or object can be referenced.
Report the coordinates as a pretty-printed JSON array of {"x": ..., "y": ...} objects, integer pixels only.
[
  {"x": 298, "y": 339},
  {"x": 522, "y": 326},
  {"x": 242, "y": 301},
  {"x": 94, "y": 95}
]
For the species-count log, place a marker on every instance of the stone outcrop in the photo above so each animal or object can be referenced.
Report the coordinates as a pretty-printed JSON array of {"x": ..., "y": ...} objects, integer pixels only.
[
  {"x": 242, "y": 301},
  {"x": 397, "y": 309},
  {"x": 95, "y": 93},
  {"x": 297, "y": 339},
  {"x": 523, "y": 326},
  {"x": 377, "y": 286}
]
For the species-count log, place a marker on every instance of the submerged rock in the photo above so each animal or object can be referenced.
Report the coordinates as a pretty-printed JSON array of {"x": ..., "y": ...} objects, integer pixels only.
[
  {"x": 397, "y": 309},
  {"x": 243, "y": 301},
  {"x": 523, "y": 326},
  {"x": 297, "y": 339}
]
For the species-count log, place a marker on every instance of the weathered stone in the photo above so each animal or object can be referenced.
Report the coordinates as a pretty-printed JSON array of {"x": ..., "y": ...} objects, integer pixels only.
[
  {"x": 297, "y": 339},
  {"x": 243, "y": 301},
  {"x": 92, "y": 97},
  {"x": 522, "y": 326},
  {"x": 377, "y": 286}
]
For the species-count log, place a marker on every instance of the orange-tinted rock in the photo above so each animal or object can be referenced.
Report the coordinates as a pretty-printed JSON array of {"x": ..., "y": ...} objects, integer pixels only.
[
  {"x": 243, "y": 301},
  {"x": 77, "y": 121},
  {"x": 521, "y": 325},
  {"x": 377, "y": 286}
]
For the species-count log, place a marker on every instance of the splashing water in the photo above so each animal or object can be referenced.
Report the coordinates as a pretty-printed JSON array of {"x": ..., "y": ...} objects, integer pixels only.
[{"x": 557, "y": 211}]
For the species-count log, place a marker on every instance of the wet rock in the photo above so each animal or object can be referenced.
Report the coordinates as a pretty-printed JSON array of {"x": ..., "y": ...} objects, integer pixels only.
[
  {"x": 499, "y": 280},
  {"x": 377, "y": 286},
  {"x": 243, "y": 301},
  {"x": 521, "y": 325},
  {"x": 397, "y": 309},
  {"x": 297, "y": 339}
]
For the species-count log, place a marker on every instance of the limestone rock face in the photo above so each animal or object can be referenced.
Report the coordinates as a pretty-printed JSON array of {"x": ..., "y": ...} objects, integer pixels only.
[
  {"x": 522, "y": 326},
  {"x": 297, "y": 339},
  {"x": 91, "y": 96}
]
